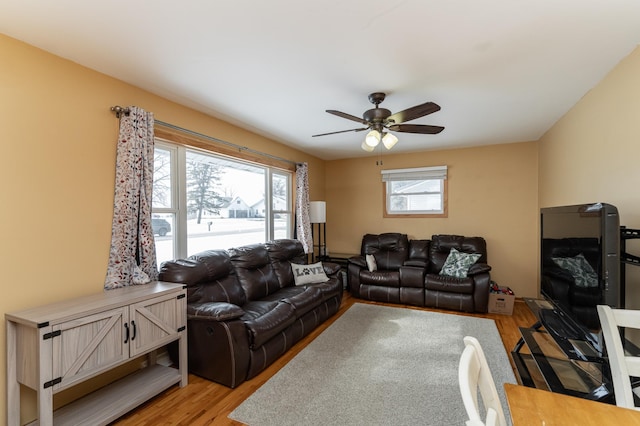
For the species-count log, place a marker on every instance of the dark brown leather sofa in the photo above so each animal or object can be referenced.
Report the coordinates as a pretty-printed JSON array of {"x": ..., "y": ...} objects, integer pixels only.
[
  {"x": 244, "y": 310},
  {"x": 408, "y": 272}
]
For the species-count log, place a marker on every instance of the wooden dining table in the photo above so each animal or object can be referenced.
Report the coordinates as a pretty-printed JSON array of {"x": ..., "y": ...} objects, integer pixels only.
[{"x": 531, "y": 406}]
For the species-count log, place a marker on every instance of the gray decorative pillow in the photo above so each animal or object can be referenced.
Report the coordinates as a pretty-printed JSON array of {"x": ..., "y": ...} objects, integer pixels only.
[
  {"x": 371, "y": 263},
  {"x": 458, "y": 263},
  {"x": 309, "y": 274},
  {"x": 580, "y": 269}
]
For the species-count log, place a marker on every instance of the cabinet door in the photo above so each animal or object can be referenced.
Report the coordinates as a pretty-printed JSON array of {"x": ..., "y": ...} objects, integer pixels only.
[
  {"x": 88, "y": 346},
  {"x": 156, "y": 322}
]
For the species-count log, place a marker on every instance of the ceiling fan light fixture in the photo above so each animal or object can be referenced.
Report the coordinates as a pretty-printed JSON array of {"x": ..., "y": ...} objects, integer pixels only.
[
  {"x": 372, "y": 139},
  {"x": 389, "y": 140},
  {"x": 367, "y": 147},
  {"x": 379, "y": 121}
]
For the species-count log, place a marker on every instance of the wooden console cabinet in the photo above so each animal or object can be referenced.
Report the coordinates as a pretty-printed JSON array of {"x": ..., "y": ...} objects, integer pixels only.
[{"x": 54, "y": 347}]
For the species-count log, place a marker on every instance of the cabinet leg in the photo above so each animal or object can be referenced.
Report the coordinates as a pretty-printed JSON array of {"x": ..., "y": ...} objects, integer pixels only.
[
  {"x": 182, "y": 345},
  {"x": 45, "y": 372},
  {"x": 13, "y": 387}
]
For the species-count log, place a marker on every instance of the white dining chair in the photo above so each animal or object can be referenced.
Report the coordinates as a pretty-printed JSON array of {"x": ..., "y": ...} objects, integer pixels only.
[
  {"x": 622, "y": 365},
  {"x": 474, "y": 376}
]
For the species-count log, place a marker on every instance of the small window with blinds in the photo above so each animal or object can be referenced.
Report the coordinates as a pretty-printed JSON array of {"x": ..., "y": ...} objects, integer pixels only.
[{"x": 415, "y": 192}]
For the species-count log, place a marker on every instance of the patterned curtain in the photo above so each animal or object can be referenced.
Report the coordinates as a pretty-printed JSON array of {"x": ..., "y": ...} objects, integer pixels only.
[
  {"x": 303, "y": 226},
  {"x": 132, "y": 258}
]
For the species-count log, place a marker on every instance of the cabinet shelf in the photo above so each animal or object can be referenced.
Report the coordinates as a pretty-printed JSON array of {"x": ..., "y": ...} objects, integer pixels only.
[{"x": 112, "y": 401}]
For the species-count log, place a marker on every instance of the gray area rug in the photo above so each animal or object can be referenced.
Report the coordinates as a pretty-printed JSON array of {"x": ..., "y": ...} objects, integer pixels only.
[{"x": 378, "y": 365}]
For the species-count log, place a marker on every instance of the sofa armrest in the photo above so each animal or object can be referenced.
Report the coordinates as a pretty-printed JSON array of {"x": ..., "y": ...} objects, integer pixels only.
[
  {"x": 331, "y": 268},
  {"x": 478, "y": 268},
  {"x": 218, "y": 350},
  {"x": 359, "y": 261},
  {"x": 214, "y": 311},
  {"x": 482, "y": 283}
]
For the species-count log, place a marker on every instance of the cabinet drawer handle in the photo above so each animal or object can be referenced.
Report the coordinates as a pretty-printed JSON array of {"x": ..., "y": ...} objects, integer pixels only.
[
  {"x": 126, "y": 327},
  {"x": 133, "y": 323}
]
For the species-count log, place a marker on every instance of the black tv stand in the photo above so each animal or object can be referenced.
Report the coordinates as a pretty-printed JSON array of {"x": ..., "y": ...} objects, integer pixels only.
[{"x": 565, "y": 365}]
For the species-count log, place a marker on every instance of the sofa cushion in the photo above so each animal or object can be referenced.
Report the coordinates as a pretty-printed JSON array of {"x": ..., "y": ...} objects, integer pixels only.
[
  {"x": 283, "y": 293},
  {"x": 391, "y": 249},
  {"x": 441, "y": 245},
  {"x": 419, "y": 250},
  {"x": 209, "y": 277},
  {"x": 266, "y": 319},
  {"x": 380, "y": 278},
  {"x": 458, "y": 263},
  {"x": 282, "y": 253},
  {"x": 254, "y": 271},
  {"x": 309, "y": 274},
  {"x": 446, "y": 283}
]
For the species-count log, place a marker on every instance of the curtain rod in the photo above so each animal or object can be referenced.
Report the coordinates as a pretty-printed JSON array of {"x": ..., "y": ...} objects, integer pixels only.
[{"x": 118, "y": 111}]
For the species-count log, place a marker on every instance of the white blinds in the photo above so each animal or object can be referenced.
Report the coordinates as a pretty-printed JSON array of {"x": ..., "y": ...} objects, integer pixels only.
[{"x": 418, "y": 173}]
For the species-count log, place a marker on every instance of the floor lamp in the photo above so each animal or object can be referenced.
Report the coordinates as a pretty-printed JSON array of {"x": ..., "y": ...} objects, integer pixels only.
[{"x": 318, "y": 215}]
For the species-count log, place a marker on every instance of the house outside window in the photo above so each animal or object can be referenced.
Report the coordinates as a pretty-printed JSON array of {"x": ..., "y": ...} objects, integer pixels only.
[
  {"x": 210, "y": 201},
  {"x": 415, "y": 192}
]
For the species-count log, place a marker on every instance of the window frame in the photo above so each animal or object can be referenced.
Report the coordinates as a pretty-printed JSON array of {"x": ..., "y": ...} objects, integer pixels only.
[
  {"x": 416, "y": 174},
  {"x": 179, "y": 144}
]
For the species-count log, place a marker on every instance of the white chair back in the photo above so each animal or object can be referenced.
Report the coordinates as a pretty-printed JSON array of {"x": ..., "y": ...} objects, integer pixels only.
[
  {"x": 474, "y": 375},
  {"x": 622, "y": 366}
]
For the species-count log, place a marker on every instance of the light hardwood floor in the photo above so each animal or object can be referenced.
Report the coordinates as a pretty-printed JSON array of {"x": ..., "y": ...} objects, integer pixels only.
[{"x": 206, "y": 403}]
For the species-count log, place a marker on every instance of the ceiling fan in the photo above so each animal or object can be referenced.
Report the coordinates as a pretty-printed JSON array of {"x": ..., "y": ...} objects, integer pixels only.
[{"x": 380, "y": 121}]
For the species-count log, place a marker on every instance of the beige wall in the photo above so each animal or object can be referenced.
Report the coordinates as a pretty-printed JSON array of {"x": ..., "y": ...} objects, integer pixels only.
[
  {"x": 592, "y": 154},
  {"x": 492, "y": 193},
  {"x": 57, "y": 170}
]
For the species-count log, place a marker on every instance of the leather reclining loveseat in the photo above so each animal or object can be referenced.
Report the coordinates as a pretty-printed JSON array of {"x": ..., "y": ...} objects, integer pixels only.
[
  {"x": 408, "y": 272},
  {"x": 244, "y": 310}
]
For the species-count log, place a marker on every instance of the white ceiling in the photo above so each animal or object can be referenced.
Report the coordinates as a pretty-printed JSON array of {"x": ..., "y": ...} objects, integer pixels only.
[{"x": 502, "y": 70}]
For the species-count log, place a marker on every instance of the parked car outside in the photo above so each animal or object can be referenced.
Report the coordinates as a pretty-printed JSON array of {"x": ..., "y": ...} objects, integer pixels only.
[{"x": 160, "y": 227}]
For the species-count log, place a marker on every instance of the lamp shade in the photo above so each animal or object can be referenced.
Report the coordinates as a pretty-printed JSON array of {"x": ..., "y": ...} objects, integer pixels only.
[
  {"x": 373, "y": 138},
  {"x": 367, "y": 147},
  {"x": 389, "y": 140},
  {"x": 318, "y": 212}
]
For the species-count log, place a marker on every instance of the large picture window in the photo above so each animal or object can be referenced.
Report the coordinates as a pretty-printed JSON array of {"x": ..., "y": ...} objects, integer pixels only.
[
  {"x": 416, "y": 192},
  {"x": 204, "y": 201}
]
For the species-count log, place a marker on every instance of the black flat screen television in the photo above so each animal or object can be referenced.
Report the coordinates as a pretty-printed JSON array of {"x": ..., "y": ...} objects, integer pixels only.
[{"x": 580, "y": 269}]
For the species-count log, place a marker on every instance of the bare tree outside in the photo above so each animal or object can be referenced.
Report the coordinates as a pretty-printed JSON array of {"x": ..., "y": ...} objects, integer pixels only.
[
  {"x": 161, "y": 178},
  {"x": 203, "y": 180},
  {"x": 279, "y": 188}
]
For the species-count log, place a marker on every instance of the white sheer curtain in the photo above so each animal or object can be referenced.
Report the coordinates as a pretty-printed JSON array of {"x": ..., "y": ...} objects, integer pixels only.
[
  {"x": 132, "y": 258},
  {"x": 303, "y": 226}
]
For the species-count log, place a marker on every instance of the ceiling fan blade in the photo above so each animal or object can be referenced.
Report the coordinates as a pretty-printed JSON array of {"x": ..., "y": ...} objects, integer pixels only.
[
  {"x": 414, "y": 112},
  {"x": 416, "y": 128},
  {"x": 340, "y": 131},
  {"x": 347, "y": 116}
]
